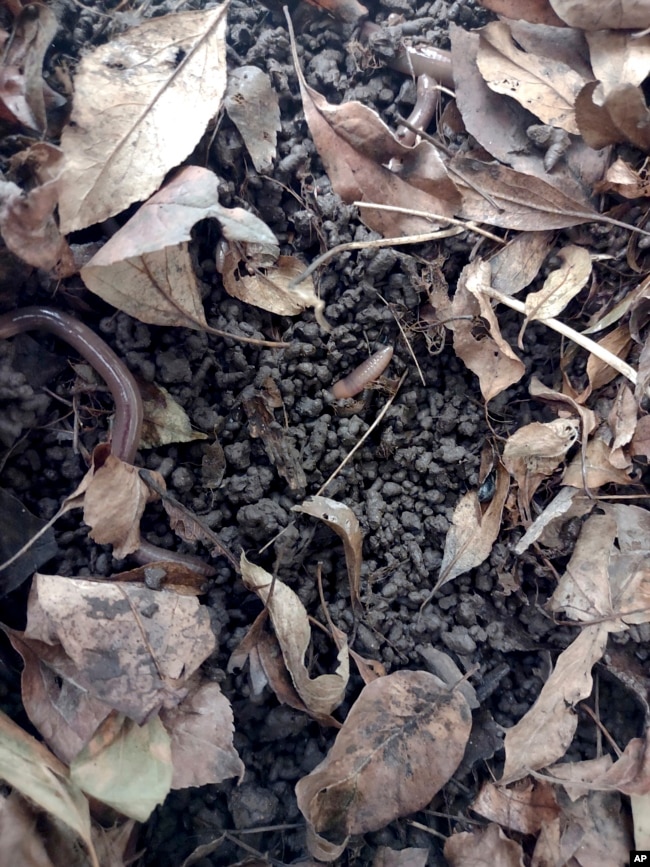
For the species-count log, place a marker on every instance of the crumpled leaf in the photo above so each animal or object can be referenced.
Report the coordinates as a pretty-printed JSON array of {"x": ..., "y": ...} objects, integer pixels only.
[
  {"x": 321, "y": 694},
  {"x": 345, "y": 524},
  {"x": 524, "y": 807},
  {"x": 270, "y": 288},
  {"x": 408, "y": 719},
  {"x": 614, "y": 14},
  {"x": 487, "y": 355},
  {"x": 145, "y": 268},
  {"x": 545, "y": 87},
  {"x": 113, "y": 497},
  {"x": 126, "y": 645},
  {"x": 126, "y": 766},
  {"x": 473, "y": 531},
  {"x": 410, "y": 857},
  {"x": 253, "y": 106},
  {"x": 495, "y": 848},
  {"x": 142, "y": 102},
  {"x": 165, "y": 420},
  {"x": 201, "y": 729}
]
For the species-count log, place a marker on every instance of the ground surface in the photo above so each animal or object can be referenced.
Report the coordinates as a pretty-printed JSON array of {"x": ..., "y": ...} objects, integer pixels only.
[{"x": 403, "y": 484}]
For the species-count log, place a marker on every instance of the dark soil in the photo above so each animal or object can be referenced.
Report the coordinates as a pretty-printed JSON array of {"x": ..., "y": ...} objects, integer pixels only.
[{"x": 403, "y": 484}]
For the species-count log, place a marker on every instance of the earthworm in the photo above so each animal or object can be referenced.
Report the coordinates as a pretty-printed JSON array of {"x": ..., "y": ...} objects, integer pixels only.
[
  {"x": 127, "y": 424},
  {"x": 368, "y": 371},
  {"x": 428, "y": 99},
  {"x": 428, "y": 60}
]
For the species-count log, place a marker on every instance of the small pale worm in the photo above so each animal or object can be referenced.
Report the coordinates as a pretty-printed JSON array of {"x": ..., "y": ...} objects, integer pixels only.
[
  {"x": 426, "y": 104},
  {"x": 368, "y": 371}
]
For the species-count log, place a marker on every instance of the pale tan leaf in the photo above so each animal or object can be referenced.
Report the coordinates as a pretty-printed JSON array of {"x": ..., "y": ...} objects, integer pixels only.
[
  {"x": 625, "y": 180},
  {"x": 128, "y": 646},
  {"x": 594, "y": 468},
  {"x": 618, "y": 58},
  {"x": 165, "y": 420},
  {"x": 489, "y": 356},
  {"x": 271, "y": 290},
  {"x": 398, "y": 721},
  {"x": 253, "y": 106},
  {"x": 551, "y": 439},
  {"x": 411, "y": 857},
  {"x": 494, "y": 847},
  {"x": 516, "y": 265},
  {"x": 20, "y": 840},
  {"x": 473, "y": 532},
  {"x": 561, "y": 285},
  {"x": 534, "y": 11},
  {"x": 142, "y": 102},
  {"x": 145, "y": 268},
  {"x": 544, "y": 734},
  {"x": 546, "y": 88},
  {"x": 545, "y": 528},
  {"x": 599, "y": 373},
  {"x": 126, "y": 766},
  {"x": 621, "y": 116},
  {"x": 524, "y": 807},
  {"x": 321, "y": 694},
  {"x": 345, "y": 524},
  {"x": 614, "y": 14},
  {"x": 201, "y": 729}
]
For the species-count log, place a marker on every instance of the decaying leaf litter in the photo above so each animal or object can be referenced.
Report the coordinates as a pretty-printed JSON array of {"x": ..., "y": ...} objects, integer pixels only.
[{"x": 522, "y": 499}]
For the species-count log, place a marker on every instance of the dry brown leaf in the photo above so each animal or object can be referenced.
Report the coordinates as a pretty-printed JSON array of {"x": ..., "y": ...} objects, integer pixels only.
[
  {"x": 594, "y": 468},
  {"x": 487, "y": 355},
  {"x": 544, "y": 87},
  {"x": 345, "y": 524},
  {"x": 65, "y": 715},
  {"x": 321, "y": 694},
  {"x": 408, "y": 719},
  {"x": 201, "y": 729},
  {"x": 599, "y": 373},
  {"x": 141, "y": 104},
  {"x": 534, "y": 452},
  {"x": 510, "y": 199},
  {"x": 271, "y": 290},
  {"x": 614, "y": 14},
  {"x": 20, "y": 840},
  {"x": 561, "y": 285},
  {"x": 516, "y": 265},
  {"x": 113, "y": 498},
  {"x": 524, "y": 807},
  {"x": 22, "y": 99},
  {"x": 625, "y": 180},
  {"x": 473, "y": 532},
  {"x": 544, "y": 734},
  {"x": 640, "y": 445},
  {"x": 622, "y": 116},
  {"x": 355, "y": 146},
  {"x": 253, "y": 106},
  {"x": 461, "y": 850},
  {"x": 165, "y": 420},
  {"x": 128, "y": 646},
  {"x": 369, "y": 669},
  {"x": 546, "y": 527},
  {"x": 29, "y": 229},
  {"x": 145, "y": 269},
  {"x": 387, "y": 857}
]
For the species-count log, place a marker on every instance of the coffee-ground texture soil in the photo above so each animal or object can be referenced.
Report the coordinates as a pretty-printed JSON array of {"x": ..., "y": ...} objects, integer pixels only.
[{"x": 402, "y": 484}]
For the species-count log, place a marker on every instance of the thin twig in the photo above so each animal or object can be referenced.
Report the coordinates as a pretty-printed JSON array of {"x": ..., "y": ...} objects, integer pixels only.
[
  {"x": 362, "y": 245},
  {"x": 465, "y": 225},
  {"x": 599, "y": 351}
]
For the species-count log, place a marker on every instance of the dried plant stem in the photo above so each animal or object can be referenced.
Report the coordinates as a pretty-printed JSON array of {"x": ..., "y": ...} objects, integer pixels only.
[
  {"x": 362, "y": 245},
  {"x": 464, "y": 225},
  {"x": 599, "y": 351},
  {"x": 349, "y": 455}
]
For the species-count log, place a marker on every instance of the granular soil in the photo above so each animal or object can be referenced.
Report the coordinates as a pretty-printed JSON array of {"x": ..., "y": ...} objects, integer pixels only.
[{"x": 403, "y": 483}]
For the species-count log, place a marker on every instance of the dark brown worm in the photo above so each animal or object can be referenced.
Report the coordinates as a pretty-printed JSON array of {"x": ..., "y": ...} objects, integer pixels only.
[
  {"x": 127, "y": 424},
  {"x": 426, "y": 105},
  {"x": 368, "y": 371},
  {"x": 427, "y": 60}
]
